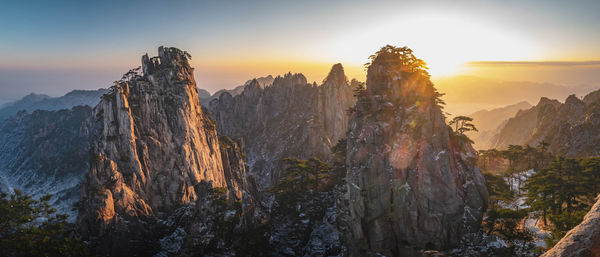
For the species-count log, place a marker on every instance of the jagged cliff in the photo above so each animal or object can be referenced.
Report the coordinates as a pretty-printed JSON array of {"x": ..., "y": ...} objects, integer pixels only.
[
  {"x": 411, "y": 183},
  {"x": 289, "y": 118},
  {"x": 571, "y": 128},
  {"x": 155, "y": 151},
  {"x": 46, "y": 152}
]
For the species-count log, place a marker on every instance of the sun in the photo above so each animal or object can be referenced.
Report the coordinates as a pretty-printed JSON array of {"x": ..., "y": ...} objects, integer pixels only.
[{"x": 445, "y": 42}]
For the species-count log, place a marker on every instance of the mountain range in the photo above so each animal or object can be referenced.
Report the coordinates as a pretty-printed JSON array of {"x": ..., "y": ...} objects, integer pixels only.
[{"x": 154, "y": 166}]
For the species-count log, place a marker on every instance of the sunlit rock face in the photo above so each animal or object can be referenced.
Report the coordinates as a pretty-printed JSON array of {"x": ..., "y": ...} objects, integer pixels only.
[
  {"x": 154, "y": 148},
  {"x": 411, "y": 184},
  {"x": 289, "y": 118}
]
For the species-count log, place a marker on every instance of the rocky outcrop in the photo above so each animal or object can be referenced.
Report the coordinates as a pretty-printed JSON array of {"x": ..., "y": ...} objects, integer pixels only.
[
  {"x": 46, "y": 152},
  {"x": 289, "y": 118},
  {"x": 583, "y": 240},
  {"x": 156, "y": 151},
  {"x": 411, "y": 183},
  {"x": 571, "y": 128}
]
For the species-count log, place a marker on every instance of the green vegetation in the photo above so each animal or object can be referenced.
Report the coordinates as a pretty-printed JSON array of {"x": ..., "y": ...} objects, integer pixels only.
[
  {"x": 461, "y": 125},
  {"x": 563, "y": 192},
  {"x": 300, "y": 177},
  {"x": 560, "y": 191},
  {"x": 30, "y": 227},
  {"x": 402, "y": 56}
]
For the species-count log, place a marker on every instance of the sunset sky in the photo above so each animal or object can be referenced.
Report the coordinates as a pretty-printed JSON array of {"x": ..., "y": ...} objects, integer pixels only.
[{"x": 52, "y": 47}]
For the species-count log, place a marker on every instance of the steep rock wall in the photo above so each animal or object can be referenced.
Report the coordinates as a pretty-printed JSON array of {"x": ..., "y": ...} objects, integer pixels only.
[
  {"x": 411, "y": 184},
  {"x": 154, "y": 149}
]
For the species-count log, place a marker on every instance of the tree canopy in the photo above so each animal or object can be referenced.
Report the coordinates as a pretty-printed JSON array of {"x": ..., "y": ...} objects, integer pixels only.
[{"x": 30, "y": 227}]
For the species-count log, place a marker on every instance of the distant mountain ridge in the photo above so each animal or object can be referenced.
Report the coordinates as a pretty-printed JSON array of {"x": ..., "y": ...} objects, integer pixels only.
[
  {"x": 206, "y": 97},
  {"x": 489, "y": 121},
  {"x": 571, "y": 128},
  {"x": 46, "y": 152},
  {"x": 34, "y": 102}
]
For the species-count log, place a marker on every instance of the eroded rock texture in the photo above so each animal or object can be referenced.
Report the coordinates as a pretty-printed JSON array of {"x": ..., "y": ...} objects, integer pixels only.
[
  {"x": 154, "y": 151},
  {"x": 289, "y": 118},
  {"x": 411, "y": 184}
]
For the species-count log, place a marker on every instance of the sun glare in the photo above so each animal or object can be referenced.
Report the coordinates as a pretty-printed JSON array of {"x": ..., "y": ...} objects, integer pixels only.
[{"x": 445, "y": 42}]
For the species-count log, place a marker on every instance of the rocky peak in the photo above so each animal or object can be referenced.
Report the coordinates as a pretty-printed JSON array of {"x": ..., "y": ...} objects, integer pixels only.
[
  {"x": 336, "y": 98},
  {"x": 290, "y": 79},
  {"x": 154, "y": 151},
  {"x": 289, "y": 118},
  {"x": 412, "y": 184},
  {"x": 592, "y": 97},
  {"x": 336, "y": 76},
  {"x": 572, "y": 99},
  {"x": 252, "y": 89}
]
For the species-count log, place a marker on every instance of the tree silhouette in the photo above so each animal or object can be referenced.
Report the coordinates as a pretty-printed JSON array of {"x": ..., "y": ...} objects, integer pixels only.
[
  {"x": 462, "y": 124},
  {"x": 318, "y": 167},
  {"x": 30, "y": 227}
]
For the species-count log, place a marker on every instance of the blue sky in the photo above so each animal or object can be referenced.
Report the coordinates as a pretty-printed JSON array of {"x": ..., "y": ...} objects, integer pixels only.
[{"x": 54, "y": 46}]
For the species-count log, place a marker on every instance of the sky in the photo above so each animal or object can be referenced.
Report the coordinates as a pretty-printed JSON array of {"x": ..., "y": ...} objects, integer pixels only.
[{"x": 52, "y": 47}]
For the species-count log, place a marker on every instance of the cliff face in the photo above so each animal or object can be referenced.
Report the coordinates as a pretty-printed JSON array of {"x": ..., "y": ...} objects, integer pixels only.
[
  {"x": 410, "y": 182},
  {"x": 46, "y": 152},
  {"x": 289, "y": 118},
  {"x": 155, "y": 149},
  {"x": 571, "y": 128}
]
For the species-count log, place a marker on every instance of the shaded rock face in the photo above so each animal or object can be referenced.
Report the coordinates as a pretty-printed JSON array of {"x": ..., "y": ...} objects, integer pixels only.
[
  {"x": 571, "y": 128},
  {"x": 154, "y": 150},
  {"x": 410, "y": 184},
  {"x": 522, "y": 126},
  {"x": 46, "y": 152},
  {"x": 289, "y": 118},
  {"x": 583, "y": 240}
]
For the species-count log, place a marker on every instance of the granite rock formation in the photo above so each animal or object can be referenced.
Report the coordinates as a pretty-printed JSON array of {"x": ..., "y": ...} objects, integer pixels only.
[
  {"x": 156, "y": 151},
  {"x": 411, "y": 183},
  {"x": 289, "y": 118}
]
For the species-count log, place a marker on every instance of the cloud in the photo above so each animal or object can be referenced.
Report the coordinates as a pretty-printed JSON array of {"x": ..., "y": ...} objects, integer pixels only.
[{"x": 543, "y": 63}]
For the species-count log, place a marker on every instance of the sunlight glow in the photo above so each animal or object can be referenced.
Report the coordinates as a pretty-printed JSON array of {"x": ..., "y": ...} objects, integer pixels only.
[{"x": 445, "y": 42}]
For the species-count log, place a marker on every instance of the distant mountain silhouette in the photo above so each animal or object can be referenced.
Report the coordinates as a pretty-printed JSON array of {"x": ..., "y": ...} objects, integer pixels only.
[
  {"x": 489, "y": 121},
  {"x": 34, "y": 102}
]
